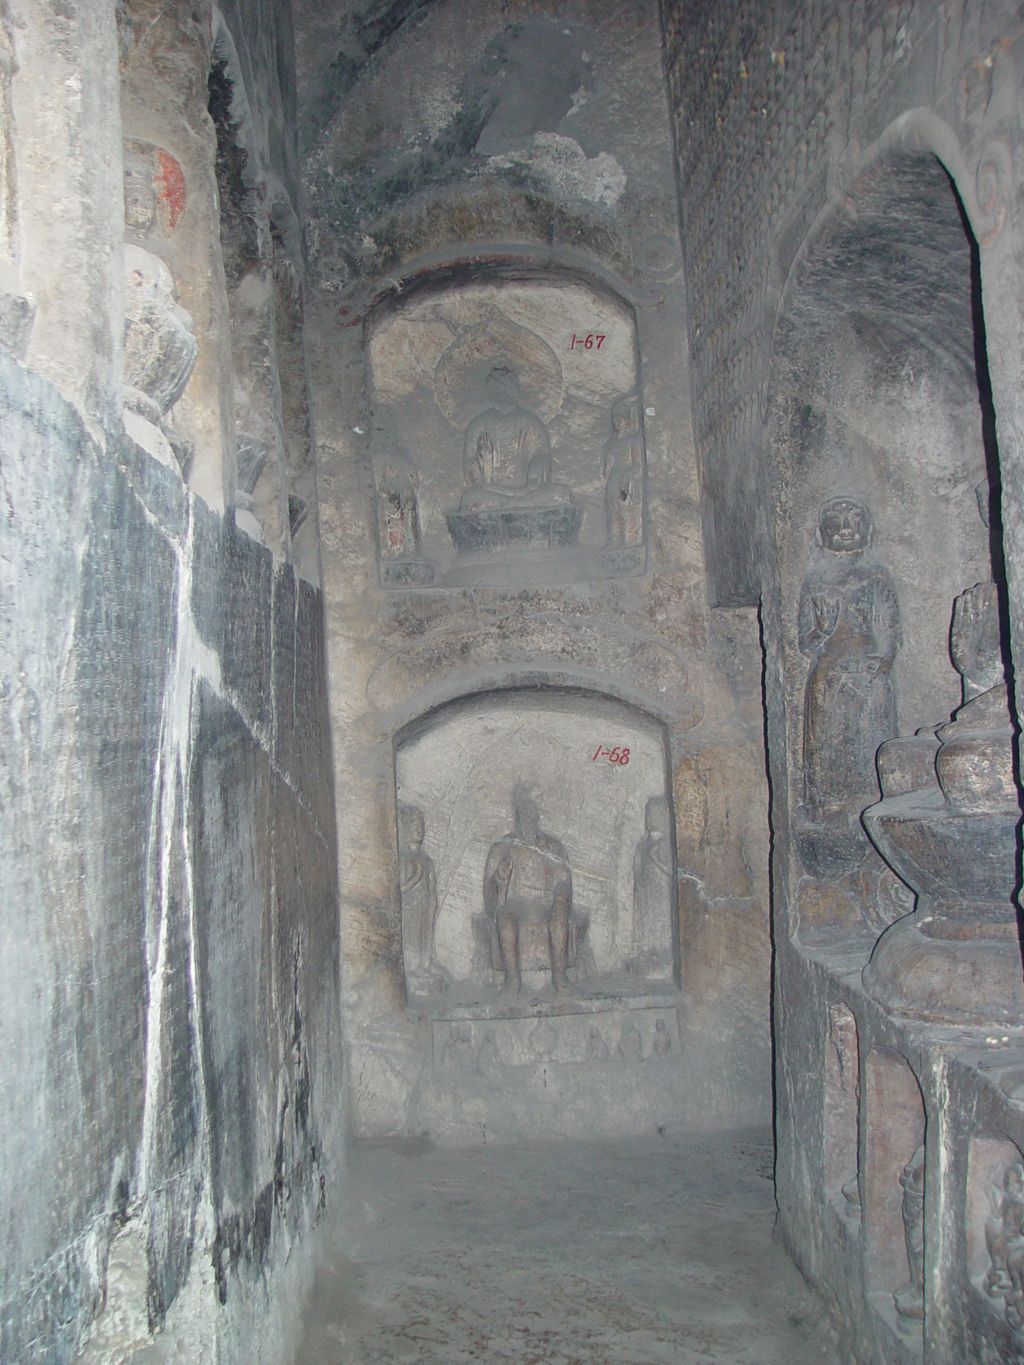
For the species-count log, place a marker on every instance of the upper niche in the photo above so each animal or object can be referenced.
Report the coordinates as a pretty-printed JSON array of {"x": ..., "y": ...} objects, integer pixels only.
[{"x": 507, "y": 443}]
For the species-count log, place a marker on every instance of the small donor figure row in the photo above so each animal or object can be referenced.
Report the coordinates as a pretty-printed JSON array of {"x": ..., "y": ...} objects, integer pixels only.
[
  {"x": 529, "y": 923},
  {"x": 546, "y": 1043}
]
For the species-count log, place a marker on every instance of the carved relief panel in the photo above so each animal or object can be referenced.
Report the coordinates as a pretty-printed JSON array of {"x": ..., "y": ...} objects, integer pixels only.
[
  {"x": 508, "y": 437},
  {"x": 995, "y": 1228},
  {"x": 536, "y": 843}
]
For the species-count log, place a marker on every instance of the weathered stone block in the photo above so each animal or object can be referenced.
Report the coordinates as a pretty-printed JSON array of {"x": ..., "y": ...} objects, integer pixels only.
[
  {"x": 88, "y": 632},
  {"x": 229, "y": 818},
  {"x": 230, "y": 571}
]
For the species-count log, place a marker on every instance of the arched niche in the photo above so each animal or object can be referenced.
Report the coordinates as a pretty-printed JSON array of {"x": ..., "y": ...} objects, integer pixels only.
[
  {"x": 880, "y": 393},
  {"x": 541, "y": 483},
  {"x": 598, "y": 770}
]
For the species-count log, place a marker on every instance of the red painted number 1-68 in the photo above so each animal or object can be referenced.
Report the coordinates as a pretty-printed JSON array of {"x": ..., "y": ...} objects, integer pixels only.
[{"x": 619, "y": 755}]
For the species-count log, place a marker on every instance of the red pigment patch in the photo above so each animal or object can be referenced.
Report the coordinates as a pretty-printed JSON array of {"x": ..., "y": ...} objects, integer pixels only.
[{"x": 171, "y": 186}]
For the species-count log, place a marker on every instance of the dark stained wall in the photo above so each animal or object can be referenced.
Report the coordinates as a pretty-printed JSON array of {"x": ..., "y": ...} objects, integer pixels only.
[{"x": 170, "y": 1127}]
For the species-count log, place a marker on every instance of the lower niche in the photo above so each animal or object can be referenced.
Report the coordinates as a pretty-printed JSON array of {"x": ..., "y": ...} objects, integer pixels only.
[{"x": 537, "y": 871}]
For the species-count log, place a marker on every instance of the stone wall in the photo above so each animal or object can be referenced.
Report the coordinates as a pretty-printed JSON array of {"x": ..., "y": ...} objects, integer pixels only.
[
  {"x": 488, "y": 186},
  {"x": 774, "y": 110},
  {"x": 849, "y": 189},
  {"x": 172, "y": 1076}
]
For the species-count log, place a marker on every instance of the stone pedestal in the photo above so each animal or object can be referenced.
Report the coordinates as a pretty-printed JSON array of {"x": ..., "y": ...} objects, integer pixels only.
[
  {"x": 511, "y": 529},
  {"x": 956, "y": 959}
]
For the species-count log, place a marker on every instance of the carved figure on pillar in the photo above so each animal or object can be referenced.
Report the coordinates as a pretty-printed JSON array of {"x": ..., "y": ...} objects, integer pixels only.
[
  {"x": 528, "y": 888},
  {"x": 849, "y": 627},
  {"x": 909, "y": 1298},
  {"x": 653, "y": 878},
  {"x": 623, "y": 469},
  {"x": 1002, "y": 1228},
  {"x": 418, "y": 889},
  {"x": 1015, "y": 1276}
]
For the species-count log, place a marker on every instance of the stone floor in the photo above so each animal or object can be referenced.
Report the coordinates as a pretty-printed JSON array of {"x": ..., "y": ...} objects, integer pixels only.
[{"x": 621, "y": 1253}]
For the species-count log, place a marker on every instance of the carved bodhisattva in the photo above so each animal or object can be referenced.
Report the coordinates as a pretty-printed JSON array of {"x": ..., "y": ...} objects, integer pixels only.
[
  {"x": 398, "y": 519},
  {"x": 909, "y": 1297},
  {"x": 653, "y": 878},
  {"x": 418, "y": 889},
  {"x": 623, "y": 469}
]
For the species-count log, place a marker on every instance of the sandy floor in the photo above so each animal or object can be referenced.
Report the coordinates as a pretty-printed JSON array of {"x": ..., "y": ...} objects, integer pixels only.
[{"x": 627, "y": 1253}]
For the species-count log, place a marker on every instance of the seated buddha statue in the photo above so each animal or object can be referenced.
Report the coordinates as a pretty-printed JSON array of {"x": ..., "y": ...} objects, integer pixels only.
[{"x": 507, "y": 453}]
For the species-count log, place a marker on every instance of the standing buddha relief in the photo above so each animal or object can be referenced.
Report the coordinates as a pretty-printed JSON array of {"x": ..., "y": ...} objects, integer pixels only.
[{"x": 849, "y": 629}]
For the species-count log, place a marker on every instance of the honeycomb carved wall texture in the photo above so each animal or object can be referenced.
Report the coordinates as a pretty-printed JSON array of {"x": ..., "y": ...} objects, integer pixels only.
[{"x": 770, "y": 103}]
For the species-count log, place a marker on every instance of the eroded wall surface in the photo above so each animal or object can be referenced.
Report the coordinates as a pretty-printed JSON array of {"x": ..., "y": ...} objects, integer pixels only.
[
  {"x": 849, "y": 188},
  {"x": 171, "y": 1078},
  {"x": 511, "y": 526}
]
